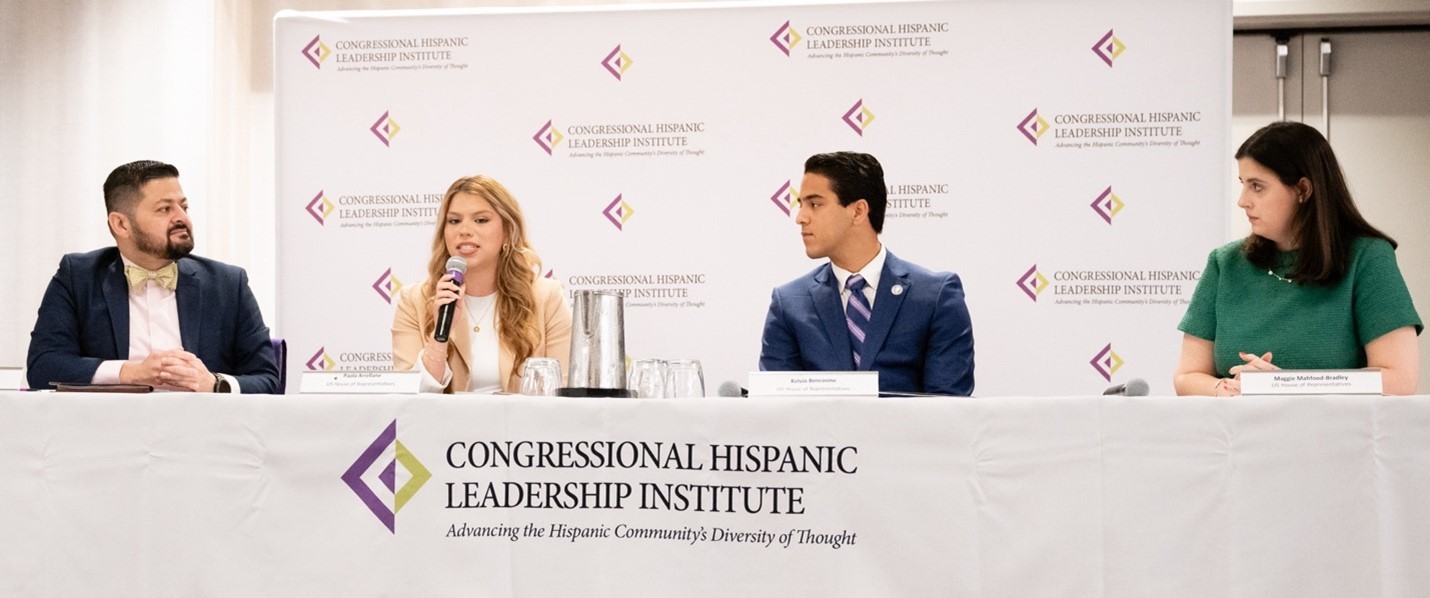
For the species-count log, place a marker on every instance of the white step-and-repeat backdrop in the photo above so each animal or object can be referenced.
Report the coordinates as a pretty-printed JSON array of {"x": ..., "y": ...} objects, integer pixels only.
[{"x": 1066, "y": 158}]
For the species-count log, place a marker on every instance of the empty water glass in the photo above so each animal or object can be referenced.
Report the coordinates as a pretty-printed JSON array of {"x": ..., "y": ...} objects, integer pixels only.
[
  {"x": 647, "y": 379},
  {"x": 540, "y": 376},
  {"x": 683, "y": 378}
]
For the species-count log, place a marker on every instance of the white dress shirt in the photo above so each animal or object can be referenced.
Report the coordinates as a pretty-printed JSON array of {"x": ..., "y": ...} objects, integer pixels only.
[{"x": 871, "y": 273}]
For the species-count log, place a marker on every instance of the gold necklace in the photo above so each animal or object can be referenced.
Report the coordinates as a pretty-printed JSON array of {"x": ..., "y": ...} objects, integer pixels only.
[{"x": 477, "y": 327}]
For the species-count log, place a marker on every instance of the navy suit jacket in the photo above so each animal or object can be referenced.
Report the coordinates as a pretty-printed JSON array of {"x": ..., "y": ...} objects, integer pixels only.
[
  {"x": 919, "y": 340},
  {"x": 84, "y": 320}
]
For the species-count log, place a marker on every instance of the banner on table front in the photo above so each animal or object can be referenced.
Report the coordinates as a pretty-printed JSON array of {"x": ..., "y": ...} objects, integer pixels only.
[{"x": 1066, "y": 159}]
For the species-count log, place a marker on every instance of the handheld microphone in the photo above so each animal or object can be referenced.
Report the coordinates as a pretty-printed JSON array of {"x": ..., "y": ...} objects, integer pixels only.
[
  {"x": 457, "y": 267},
  {"x": 729, "y": 388},
  {"x": 1135, "y": 387}
]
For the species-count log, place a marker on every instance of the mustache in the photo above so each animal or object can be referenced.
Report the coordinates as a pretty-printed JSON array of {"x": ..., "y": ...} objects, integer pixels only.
[{"x": 179, "y": 227}]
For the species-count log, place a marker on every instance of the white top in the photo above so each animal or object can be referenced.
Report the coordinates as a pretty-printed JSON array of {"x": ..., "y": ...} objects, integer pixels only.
[
  {"x": 485, "y": 359},
  {"x": 871, "y": 273}
]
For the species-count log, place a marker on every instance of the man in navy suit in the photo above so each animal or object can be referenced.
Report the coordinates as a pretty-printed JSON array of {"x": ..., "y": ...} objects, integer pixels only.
[
  {"x": 145, "y": 311},
  {"x": 866, "y": 309}
]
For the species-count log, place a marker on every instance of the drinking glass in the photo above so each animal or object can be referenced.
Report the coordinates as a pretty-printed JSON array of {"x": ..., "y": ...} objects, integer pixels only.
[
  {"x": 684, "y": 379},
  {"x": 647, "y": 378},
  {"x": 540, "y": 376}
]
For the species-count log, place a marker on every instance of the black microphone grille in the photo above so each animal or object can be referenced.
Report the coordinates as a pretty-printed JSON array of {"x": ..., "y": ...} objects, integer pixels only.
[
  {"x": 1137, "y": 387},
  {"x": 729, "y": 388}
]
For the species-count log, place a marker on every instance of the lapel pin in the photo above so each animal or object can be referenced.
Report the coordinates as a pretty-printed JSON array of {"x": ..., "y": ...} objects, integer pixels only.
[{"x": 897, "y": 290}]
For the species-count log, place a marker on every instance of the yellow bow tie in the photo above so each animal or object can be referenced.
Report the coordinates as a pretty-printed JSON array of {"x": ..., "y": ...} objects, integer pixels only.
[{"x": 167, "y": 277}]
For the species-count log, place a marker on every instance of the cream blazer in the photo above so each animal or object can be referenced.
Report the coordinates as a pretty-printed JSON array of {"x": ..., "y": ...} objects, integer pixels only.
[{"x": 553, "y": 321}]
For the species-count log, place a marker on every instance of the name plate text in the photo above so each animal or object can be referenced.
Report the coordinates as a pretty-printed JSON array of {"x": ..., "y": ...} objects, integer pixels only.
[
  {"x": 360, "y": 382},
  {"x": 814, "y": 384},
  {"x": 1311, "y": 382}
]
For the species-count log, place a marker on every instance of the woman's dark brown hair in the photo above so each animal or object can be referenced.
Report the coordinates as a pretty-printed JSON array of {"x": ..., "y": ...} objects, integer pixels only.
[{"x": 1327, "y": 223}]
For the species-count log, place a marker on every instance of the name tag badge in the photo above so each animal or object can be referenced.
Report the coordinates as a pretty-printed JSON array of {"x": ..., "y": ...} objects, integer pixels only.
[
  {"x": 814, "y": 384},
  {"x": 360, "y": 382},
  {"x": 1311, "y": 382}
]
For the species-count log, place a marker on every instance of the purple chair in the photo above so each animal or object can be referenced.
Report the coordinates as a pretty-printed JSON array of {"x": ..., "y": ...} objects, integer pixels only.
[{"x": 280, "y": 355}]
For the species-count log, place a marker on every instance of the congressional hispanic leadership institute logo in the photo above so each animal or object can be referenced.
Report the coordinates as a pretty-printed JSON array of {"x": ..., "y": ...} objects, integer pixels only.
[
  {"x": 374, "y": 476},
  {"x": 320, "y": 361},
  {"x": 785, "y": 38},
  {"x": 618, "y": 212},
  {"x": 548, "y": 136},
  {"x": 385, "y": 128},
  {"x": 1107, "y": 205},
  {"x": 786, "y": 198},
  {"x": 858, "y": 117},
  {"x": 1108, "y": 48},
  {"x": 316, "y": 52},
  {"x": 1033, "y": 126},
  {"x": 319, "y": 208},
  {"x": 617, "y": 62},
  {"x": 1106, "y": 362},
  {"x": 1033, "y": 283},
  {"x": 387, "y": 285}
]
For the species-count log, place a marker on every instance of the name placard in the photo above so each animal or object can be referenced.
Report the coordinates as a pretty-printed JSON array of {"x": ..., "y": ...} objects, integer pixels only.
[
  {"x": 360, "y": 382},
  {"x": 1311, "y": 382},
  {"x": 814, "y": 384},
  {"x": 12, "y": 378}
]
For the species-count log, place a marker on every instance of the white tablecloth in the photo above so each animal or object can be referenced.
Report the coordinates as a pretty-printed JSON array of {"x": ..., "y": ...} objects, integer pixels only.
[{"x": 205, "y": 495}]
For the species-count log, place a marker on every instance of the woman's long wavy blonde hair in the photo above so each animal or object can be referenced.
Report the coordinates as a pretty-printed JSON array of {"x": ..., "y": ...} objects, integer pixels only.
[{"x": 516, "y": 268}]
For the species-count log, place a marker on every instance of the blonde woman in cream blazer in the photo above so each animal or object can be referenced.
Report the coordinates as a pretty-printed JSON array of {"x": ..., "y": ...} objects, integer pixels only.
[{"x": 521, "y": 314}]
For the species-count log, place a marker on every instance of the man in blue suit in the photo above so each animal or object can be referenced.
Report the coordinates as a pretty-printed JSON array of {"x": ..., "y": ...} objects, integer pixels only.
[
  {"x": 145, "y": 311},
  {"x": 866, "y": 309}
]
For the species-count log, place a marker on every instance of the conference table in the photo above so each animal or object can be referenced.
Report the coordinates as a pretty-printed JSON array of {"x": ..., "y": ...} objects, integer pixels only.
[{"x": 177, "y": 494}]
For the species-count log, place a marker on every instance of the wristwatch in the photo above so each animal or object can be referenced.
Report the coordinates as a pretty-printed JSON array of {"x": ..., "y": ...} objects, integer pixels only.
[{"x": 221, "y": 384}]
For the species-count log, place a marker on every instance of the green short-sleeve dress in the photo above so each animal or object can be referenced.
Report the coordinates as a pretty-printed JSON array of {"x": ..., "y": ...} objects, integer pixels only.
[{"x": 1242, "y": 308}]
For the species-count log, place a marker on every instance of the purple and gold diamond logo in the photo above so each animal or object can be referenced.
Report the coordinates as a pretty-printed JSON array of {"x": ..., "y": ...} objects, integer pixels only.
[
  {"x": 319, "y": 208},
  {"x": 316, "y": 52},
  {"x": 385, "y": 128},
  {"x": 1107, "y": 205},
  {"x": 1106, "y": 362},
  {"x": 617, "y": 62},
  {"x": 858, "y": 117},
  {"x": 387, "y": 285},
  {"x": 1108, "y": 48},
  {"x": 618, "y": 212},
  {"x": 786, "y": 198},
  {"x": 785, "y": 38},
  {"x": 374, "y": 476},
  {"x": 1033, "y": 283},
  {"x": 547, "y": 137},
  {"x": 320, "y": 361},
  {"x": 1033, "y": 126}
]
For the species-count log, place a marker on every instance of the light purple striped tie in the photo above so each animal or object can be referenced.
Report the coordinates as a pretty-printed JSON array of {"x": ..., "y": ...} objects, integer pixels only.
[{"x": 857, "y": 315}]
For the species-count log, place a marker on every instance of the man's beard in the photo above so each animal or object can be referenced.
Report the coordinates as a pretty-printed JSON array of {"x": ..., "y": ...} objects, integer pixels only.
[{"x": 166, "y": 248}]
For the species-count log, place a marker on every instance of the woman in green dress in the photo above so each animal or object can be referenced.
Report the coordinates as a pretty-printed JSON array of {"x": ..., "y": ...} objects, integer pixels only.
[{"x": 1314, "y": 286}]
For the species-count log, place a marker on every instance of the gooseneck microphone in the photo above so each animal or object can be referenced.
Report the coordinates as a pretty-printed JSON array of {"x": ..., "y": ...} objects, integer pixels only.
[
  {"x": 457, "y": 267},
  {"x": 1135, "y": 387}
]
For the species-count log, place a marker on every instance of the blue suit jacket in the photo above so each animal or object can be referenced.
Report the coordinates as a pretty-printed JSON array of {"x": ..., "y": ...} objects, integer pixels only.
[
  {"x": 920, "y": 340},
  {"x": 84, "y": 320}
]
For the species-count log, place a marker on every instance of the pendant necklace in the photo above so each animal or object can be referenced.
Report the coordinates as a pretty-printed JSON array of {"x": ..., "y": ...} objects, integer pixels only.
[{"x": 477, "y": 324}]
